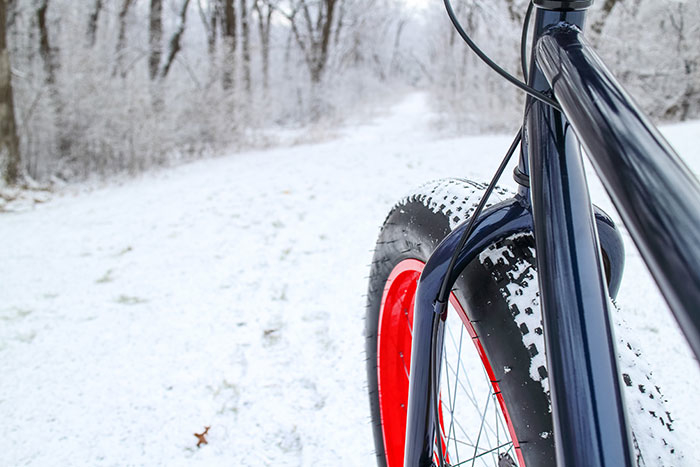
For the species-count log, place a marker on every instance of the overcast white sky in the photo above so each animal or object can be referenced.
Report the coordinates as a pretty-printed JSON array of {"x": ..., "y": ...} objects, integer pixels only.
[{"x": 424, "y": 3}]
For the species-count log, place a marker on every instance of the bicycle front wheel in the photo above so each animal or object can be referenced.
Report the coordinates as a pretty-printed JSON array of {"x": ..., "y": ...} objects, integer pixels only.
[{"x": 492, "y": 411}]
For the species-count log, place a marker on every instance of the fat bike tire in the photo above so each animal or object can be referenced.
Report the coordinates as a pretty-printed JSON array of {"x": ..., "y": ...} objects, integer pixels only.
[{"x": 484, "y": 323}]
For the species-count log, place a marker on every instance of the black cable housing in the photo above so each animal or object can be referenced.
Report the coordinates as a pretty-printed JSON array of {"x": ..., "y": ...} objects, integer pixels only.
[
  {"x": 444, "y": 287},
  {"x": 523, "y": 41}
]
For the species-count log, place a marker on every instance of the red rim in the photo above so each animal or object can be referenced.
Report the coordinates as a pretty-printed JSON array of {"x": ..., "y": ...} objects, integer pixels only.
[{"x": 394, "y": 358}]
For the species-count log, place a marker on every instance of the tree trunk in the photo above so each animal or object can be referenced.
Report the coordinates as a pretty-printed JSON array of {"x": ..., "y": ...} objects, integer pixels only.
[
  {"x": 9, "y": 143},
  {"x": 264, "y": 21},
  {"x": 176, "y": 40},
  {"x": 210, "y": 22},
  {"x": 45, "y": 50},
  {"x": 92, "y": 23},
  {"x": 213, "y": 26},
  {"x": 325, "y": 38},
  {"x": 155, "y": 38},
  {"x": 245, "y": 36},
  {"x": 395, "y": 63},
  {"x": 48, "y": 56},
  {"x": 121, "y": 38},
  {"x": 229, "y": 32}
]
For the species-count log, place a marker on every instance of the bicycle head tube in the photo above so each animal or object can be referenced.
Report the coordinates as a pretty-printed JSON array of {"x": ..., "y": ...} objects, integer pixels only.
[{"x": 563, "y": 5}]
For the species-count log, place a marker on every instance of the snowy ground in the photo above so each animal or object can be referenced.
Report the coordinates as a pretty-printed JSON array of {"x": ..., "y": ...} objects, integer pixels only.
[{"x": 229, "y": 293}]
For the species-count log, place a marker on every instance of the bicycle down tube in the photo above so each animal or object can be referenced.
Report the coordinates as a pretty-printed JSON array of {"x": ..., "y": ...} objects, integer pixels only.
[{"x": 587, "y": 407}]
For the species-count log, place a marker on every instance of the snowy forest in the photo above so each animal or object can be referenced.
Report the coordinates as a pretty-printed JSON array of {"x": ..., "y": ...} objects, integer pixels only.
[
  {"x": 191, "y": 192},
  {"x": 104, "y": 87}
]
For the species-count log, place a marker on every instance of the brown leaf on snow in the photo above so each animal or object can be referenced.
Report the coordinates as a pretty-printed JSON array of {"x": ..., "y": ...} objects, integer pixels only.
[{"x": 201, "y": 436}]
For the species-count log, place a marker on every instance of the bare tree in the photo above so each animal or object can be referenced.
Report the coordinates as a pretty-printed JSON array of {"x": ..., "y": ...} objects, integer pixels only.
[
  {"x": 176, "y": 39},
  {"x": 9, "y": 143},
  {"x": 396, "y": 60},
  {"x": 155, "y": 37},
  {"x": 46, "y": 52},
  {"x": 229, "y": 33},
  {"x": 48, "y": 55},
  {"x": 245, "y": 36},
  {"x": 121, "y": 37},
  {"x": 92, "y": 22},
  {"x": 210, "y": 19},
  {"x": 313, "y": 34},
  {"x": 264, "y": 9}
]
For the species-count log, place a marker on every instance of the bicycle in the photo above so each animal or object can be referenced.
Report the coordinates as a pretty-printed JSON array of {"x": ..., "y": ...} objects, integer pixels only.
[{"x": 536, "y": 270}]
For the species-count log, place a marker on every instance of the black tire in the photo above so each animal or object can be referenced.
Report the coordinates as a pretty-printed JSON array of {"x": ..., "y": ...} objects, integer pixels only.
[{"x": 413, "y": 230}]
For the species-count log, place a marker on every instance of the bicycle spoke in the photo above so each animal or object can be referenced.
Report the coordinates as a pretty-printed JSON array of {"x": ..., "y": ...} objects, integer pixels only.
[
  {"x": 470, "y": 393},
  {"x": 454, "y": 400},
  {"x": 483, "y": 418},
  {"x": 500, "y": 418},
  {"x": 495, "y": 411},
  {"x": 451, "y": 408}
]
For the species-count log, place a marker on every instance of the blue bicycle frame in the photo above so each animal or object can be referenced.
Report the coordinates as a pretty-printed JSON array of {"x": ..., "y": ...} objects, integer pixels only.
[{"x": 657, "y": 198}]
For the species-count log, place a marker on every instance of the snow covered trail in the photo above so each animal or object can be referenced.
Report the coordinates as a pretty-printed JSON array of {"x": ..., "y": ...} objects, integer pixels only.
[{"x": 229, "y": 293}]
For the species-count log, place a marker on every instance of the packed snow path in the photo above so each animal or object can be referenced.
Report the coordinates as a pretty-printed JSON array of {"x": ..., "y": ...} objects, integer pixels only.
[{"x": 229, "y": 293}]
